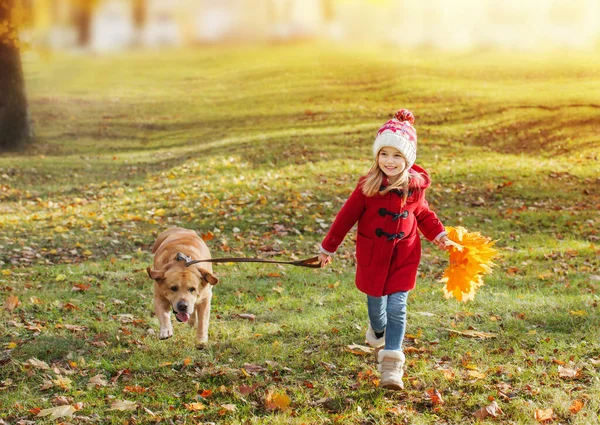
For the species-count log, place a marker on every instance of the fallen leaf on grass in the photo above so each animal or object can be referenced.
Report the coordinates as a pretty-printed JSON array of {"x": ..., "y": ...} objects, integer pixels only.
[
  {"x": 123, "y": 405},
  {"x": 476, "y": 374},
  {"x": 361, "y": 350},
  {"x": 435, "y": 396},
  {"x": 277, "y": 401},
  {"x": 396, "y": 410},
  {"x": 473, "y": 334},
  {"x": 97, "y": 381},
  {"x": 576, "y": 406},
  {"x": 194, "y": 407},
  {"x": 253, "y": 368},
  {"x": 245, "y": 389},
  {"x": 492, "y": 410},
  {"x": 250, "y": 317},
  {"x": 565, "y": 372},
  {"x": 11, "y": 302},
  {"x": 38, "y": 364},
  {"x": 62, "y": 382},
  {"x": 227, "y": 408},
  {"x": 57, "y": 412},
  {"x": 543, "y": 415}
]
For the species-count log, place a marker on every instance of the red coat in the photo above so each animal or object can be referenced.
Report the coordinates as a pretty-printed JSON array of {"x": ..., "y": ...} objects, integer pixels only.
[{"x": 388, "y": 247}]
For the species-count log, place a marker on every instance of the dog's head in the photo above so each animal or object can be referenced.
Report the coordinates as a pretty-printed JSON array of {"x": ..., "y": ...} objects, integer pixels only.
[{"x": 182, "y": 287}]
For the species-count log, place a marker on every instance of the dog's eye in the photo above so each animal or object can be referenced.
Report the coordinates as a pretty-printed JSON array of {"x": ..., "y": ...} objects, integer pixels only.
[
  {"x": 192, "y": 289},
  {"x": 174, "y": 288}
]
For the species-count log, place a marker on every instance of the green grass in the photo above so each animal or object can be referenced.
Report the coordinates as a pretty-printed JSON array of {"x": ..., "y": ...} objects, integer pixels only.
[{"x": 260, "y": 147}]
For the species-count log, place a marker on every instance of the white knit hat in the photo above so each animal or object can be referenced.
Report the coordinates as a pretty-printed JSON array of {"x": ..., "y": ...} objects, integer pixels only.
[{"x": 400, "y": 134}]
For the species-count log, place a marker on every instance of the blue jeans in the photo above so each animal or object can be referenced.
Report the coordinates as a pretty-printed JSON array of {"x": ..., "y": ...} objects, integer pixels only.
[{"x": 389, "y": 313}]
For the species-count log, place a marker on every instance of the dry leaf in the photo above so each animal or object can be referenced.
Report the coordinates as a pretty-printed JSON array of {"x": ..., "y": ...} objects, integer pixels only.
[
  {"x": 62, "y": 382},
  {"x": 576, "y": 406},
  {"x": 492, "y": 410},
  {"x": 247, "y": 316},
  {"x": 245, "y": 389},
  {"x": 195, "y": 406},
  {"x": 11, "y": 302},
  {"x": 475, "y": 374},
  {"x": 543, "y": 415},
  {"x": 361, "y": 350},
  {"x": 435, "y": 396},
  {"x": 565, "y": 372},
  {"x": 38, "y": 364},
  {"x": 123, "y": 405},
  {"x": 229, "y": 407},
  {"x": 474, "y": 334},
  {"x": 57, "y": 412},
  {"x": 97, "y": 381},
  {"x": 277, "y": 401}
]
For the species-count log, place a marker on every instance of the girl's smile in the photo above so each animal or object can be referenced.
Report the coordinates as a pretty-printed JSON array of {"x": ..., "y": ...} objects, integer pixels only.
[{"x": 391, "y": 162}]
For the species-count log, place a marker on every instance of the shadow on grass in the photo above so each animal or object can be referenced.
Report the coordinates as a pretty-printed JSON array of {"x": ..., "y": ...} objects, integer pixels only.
[{"x": 49, "y": 348}]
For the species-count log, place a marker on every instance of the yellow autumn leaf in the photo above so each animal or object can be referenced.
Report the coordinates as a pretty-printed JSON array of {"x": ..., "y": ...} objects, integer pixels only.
[
  {"x": 471, "y": 257},
  {"x": 60, "y": 277},
  {"x": 57, "y": 412},
  {"x": 195, "y": 406},
  {"x": 11, "y": 302},
  {"x": 6, "y": 272},
  {"x": 476, "y": 374},
  {"x": 277, "y": 401},
  {"x": 11, "y": 345},
  {"x": 542, "y": 415},
  {"x": 62, "y": 382},
  {"x": 123, "y": 405}
]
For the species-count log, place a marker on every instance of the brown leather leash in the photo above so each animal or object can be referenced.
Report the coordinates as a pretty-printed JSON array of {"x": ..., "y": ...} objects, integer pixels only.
[{"x": 312, "y": 263}]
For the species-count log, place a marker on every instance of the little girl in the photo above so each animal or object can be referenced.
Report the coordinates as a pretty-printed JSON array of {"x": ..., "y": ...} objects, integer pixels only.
[{"x": 389, "y": 204}]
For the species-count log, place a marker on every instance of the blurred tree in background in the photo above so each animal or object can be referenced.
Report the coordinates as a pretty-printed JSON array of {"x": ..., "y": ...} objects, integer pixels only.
[{"x": 15, "y": 124}]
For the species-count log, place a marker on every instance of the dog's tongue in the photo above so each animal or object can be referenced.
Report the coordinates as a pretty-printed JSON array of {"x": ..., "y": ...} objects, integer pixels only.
[{"x": 183, "y": 317}]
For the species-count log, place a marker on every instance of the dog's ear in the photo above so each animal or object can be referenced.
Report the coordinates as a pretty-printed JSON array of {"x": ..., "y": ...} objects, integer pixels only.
[
  {"x": 155, "y": 274},
  {"x": 208, "y": 276}
]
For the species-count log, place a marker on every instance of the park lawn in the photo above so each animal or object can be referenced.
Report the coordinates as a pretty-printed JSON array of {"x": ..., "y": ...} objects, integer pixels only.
[{"x": 257, "y": 148}]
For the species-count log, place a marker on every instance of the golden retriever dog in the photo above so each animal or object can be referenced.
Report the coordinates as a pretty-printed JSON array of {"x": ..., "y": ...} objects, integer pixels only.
[{"x": 187, "y": 291}]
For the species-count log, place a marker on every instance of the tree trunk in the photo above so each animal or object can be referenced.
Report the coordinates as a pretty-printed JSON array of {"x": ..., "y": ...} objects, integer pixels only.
[
  {"x": 83, "y": 22},
  {"x": 139, "y": 14},
  {"x": 15, "y": 125}
]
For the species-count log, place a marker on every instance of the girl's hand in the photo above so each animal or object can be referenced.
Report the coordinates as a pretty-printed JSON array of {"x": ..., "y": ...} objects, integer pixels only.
[
  {"x": 324, "y": 259},
  {"x": 441, "y": 243}
]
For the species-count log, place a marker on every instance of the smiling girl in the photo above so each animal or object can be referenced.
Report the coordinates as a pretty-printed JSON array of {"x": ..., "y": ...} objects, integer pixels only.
[{"x": 389, "y": 205}]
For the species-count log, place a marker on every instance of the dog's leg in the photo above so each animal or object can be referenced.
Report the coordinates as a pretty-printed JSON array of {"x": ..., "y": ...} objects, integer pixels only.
[
  {"x": 192, "y": 320},
  {"x": 163, "y": 313},
  {"x": 203, "y": 316}
]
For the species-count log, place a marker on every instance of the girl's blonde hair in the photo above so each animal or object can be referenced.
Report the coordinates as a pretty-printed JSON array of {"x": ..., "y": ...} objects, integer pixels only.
[{"x": 374, "y": 180}]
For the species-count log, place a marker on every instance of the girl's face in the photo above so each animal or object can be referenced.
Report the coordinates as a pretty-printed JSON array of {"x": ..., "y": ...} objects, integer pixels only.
[{"x": 391, "y": 162}]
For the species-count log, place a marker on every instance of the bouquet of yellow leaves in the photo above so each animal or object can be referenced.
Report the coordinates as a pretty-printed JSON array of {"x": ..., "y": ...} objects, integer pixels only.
[{"x": 471, "y": 257}]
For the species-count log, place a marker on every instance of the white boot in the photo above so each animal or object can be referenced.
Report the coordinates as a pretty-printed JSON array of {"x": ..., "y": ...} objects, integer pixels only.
[
  {"x": 372, "y": 340},
  {"x": 391, "y": 366}
]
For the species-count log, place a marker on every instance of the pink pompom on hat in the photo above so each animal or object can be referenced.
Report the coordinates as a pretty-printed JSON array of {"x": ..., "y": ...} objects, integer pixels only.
[{"x": 399, "y": 133}]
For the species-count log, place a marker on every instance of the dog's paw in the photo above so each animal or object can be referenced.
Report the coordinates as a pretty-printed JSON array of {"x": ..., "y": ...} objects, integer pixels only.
[
  {"x": 165, "y": 333},
  {"x": 201, "y": 344}
]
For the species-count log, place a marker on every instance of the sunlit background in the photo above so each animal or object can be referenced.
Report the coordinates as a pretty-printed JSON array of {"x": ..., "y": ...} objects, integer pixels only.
[{"x": 113, "y": 25}]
